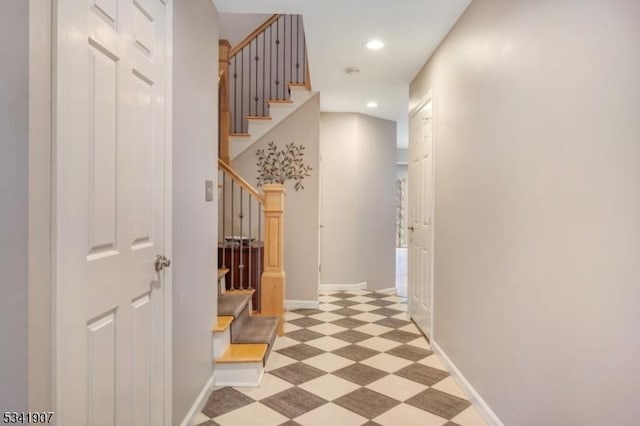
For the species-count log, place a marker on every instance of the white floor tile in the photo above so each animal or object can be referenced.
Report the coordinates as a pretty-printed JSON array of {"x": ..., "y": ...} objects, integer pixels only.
[
  {"x": 328, "y": 307},
  {"x": 406, "y": 415},
  {"x": 326, "y": 317},
  {"x": 329, "y": 387},
  {"x": 420, "y": 342},
  {"x": 327, "y": 343},
  {"x": 399, "y": 307},
  {"x": 270, "y": 385},
  {"x": 449, "y": 385},
  {"x": 368, "y": 317},
  {"x": 469, "y": 417},
  {"x": 364, "y": 307},
  {"x": 411, "y": 328},
  {"x": 288, "y": 327},
  {"x": 252, "y": 414},
  {"x": 330, "y": 413},
  {"x": 327, "y": 328},
  {"x": 379, "y": 344},
  {"x": 386, "y": 362},
  {"x": 396, "y": 387},
  {"x": 277, "y": 360},
  {"x": 199, "y": 418},
  {"x": 433, "y": 361},
  {"x": 328, "y": 362},
  {"x": 373, "y": 329},
  {"x": 283, "y": 342},
  {"x": 361, "y": 299},
  {"x": 288, "y": 316}
]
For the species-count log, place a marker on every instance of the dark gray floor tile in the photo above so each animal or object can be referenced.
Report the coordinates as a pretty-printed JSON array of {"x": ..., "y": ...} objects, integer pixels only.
[
  {"x": 225, "y": 400},
  {"x": 345, "y": 303},
  {"x": 293, "y": 402},
  {"x": 400, "y": 336},
  {"x": 349, "y": 322},
  {"x": 355, "y": 352},
  {"x": 439, "y": 403},
  {"x": 346, "y": 312},
  {"x": 290, "y": 423},
  {"x": 351, "y": 336},
  {"x": 392, "y": 322},
  {"x": 298, "y": 373},
  {"x": 381, "y": 302},
  {"x": 387, "y": 312},
  {"x": 410, "y": 352},
  {"x": 366, "y": 402},
  {"x": 307, "y": 312},
  {"x": 305, "y": 322},
  {"x": 304, "y": 335},
  {"x": 422, "y": 374},
  {"x": 360, "y": 374},
  {"x": 300, "y": 352},
  {"x": 342, "y": 294}
]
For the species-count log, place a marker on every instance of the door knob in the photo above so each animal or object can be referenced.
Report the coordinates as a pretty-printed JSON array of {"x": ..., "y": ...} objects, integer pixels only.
[
  {"x": 411, "y": 228},
  {"x": 162, "y": 262}
]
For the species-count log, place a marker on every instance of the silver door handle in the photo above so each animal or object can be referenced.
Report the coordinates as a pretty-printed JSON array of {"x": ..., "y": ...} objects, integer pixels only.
[{"x": 162, "y": 262}]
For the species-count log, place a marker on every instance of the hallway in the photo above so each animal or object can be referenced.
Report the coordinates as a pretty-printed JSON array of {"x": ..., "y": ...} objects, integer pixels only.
[{"x": 355, "y": 361}]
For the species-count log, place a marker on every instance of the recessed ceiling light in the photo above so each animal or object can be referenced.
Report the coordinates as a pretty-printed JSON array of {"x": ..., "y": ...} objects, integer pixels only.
[
  {"x": 374, "y": 44},
  {"x": 372, "y": 104}
]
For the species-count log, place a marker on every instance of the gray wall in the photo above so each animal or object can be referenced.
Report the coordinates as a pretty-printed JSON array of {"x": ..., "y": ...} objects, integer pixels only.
[
  {"x": 301, "y": 209},
  {"x": 358, "y": 200},
  {"x": 14, "y": 156},
  {"x": 537, "y": 208},
  {"x": 195, "y": 135},
  {"x": 236, "y": 26}
]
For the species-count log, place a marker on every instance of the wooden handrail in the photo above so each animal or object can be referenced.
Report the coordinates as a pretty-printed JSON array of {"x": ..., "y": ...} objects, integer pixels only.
[
  {"x": 251, "y": 36},
  {"x": 240, "y": 181}
]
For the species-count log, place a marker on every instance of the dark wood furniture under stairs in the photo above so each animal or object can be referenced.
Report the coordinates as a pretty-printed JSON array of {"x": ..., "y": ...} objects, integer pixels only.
[{"x": 244, "y": 262}]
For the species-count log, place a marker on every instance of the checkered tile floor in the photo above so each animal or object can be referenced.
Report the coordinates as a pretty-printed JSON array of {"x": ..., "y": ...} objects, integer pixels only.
[{"x": 355, "y": 361}]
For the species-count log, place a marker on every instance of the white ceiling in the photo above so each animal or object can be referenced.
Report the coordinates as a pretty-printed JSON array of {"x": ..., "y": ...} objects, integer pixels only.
[{"x": 336, "y": 32}]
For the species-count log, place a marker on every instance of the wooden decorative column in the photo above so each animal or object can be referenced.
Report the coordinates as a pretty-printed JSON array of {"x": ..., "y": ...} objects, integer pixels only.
[
  {"x": 224, "y": 119},
  {"x": 273, "y": 277}
]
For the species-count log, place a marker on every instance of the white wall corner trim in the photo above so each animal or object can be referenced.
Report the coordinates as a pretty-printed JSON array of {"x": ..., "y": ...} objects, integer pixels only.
[
  {"x": 301, "y": 304},
  {"x": 483, "y": 408},
  {"x": 343, "y": 287},
  {"x": 199, "y": 403}
]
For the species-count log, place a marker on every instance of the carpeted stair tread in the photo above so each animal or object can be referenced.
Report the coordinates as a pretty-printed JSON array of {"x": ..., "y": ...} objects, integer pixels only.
[
  {"x": 257, "y": 329},
  {"x": 232, "y": 304}
]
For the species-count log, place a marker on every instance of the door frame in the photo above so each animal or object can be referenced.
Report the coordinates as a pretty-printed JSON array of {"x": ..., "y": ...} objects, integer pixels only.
[
  {"x": 413, "y": 110},
  {"x": 42, "y": 284}
]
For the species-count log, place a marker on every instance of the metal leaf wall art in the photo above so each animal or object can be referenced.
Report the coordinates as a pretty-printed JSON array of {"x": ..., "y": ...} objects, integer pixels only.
[{"x": 281, "y": 165}]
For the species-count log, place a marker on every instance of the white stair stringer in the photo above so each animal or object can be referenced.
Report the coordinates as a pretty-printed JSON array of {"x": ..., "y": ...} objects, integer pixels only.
[{"x": 278, "y": 112}]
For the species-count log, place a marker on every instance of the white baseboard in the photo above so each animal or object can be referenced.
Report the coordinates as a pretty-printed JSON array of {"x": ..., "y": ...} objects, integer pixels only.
[
  {"x": 483, "y": 408},
  {"x": 342, "y": 287},
  {"x": 389, "y": 291},
  {"x": 301, "y": 304},
  {"x": 199, "y": 403}
]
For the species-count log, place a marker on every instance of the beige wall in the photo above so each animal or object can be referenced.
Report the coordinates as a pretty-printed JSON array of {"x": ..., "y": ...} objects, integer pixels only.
[
  {"x": 14, "y": 190},
  {"x": 195, "y": 130},
  {"x": 537, "y": 208},
  {"x": 358, "y": 200},
  {"x": 302, "y": 207}
]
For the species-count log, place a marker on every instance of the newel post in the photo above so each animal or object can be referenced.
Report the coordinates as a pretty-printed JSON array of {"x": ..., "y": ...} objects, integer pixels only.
[
  {"x": 224, "y": 122},
  {"x": 273, "y": 277}
]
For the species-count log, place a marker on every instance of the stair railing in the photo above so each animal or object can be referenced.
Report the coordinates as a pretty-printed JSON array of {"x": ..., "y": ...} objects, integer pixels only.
[
  {"x": 251, "y": 241},
  {"x": 263, "y": 66}
]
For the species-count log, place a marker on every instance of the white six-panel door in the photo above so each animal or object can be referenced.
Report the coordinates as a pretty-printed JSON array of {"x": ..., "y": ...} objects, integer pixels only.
[
  {"x": 109, "y": 180},
  {"x": 421, "y": 218}
]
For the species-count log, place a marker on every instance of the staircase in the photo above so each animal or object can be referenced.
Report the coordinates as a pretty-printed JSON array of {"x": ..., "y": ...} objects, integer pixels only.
[
  {"x": 253, "y": 99},
  {"x": 263, "y": 80},
  {"x": 242, "y": 340}
]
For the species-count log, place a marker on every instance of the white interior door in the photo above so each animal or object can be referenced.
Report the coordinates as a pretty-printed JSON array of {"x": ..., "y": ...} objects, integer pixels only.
[
  {"x": 420, "y": 279},
  {"x": 109, "y": 174}
]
